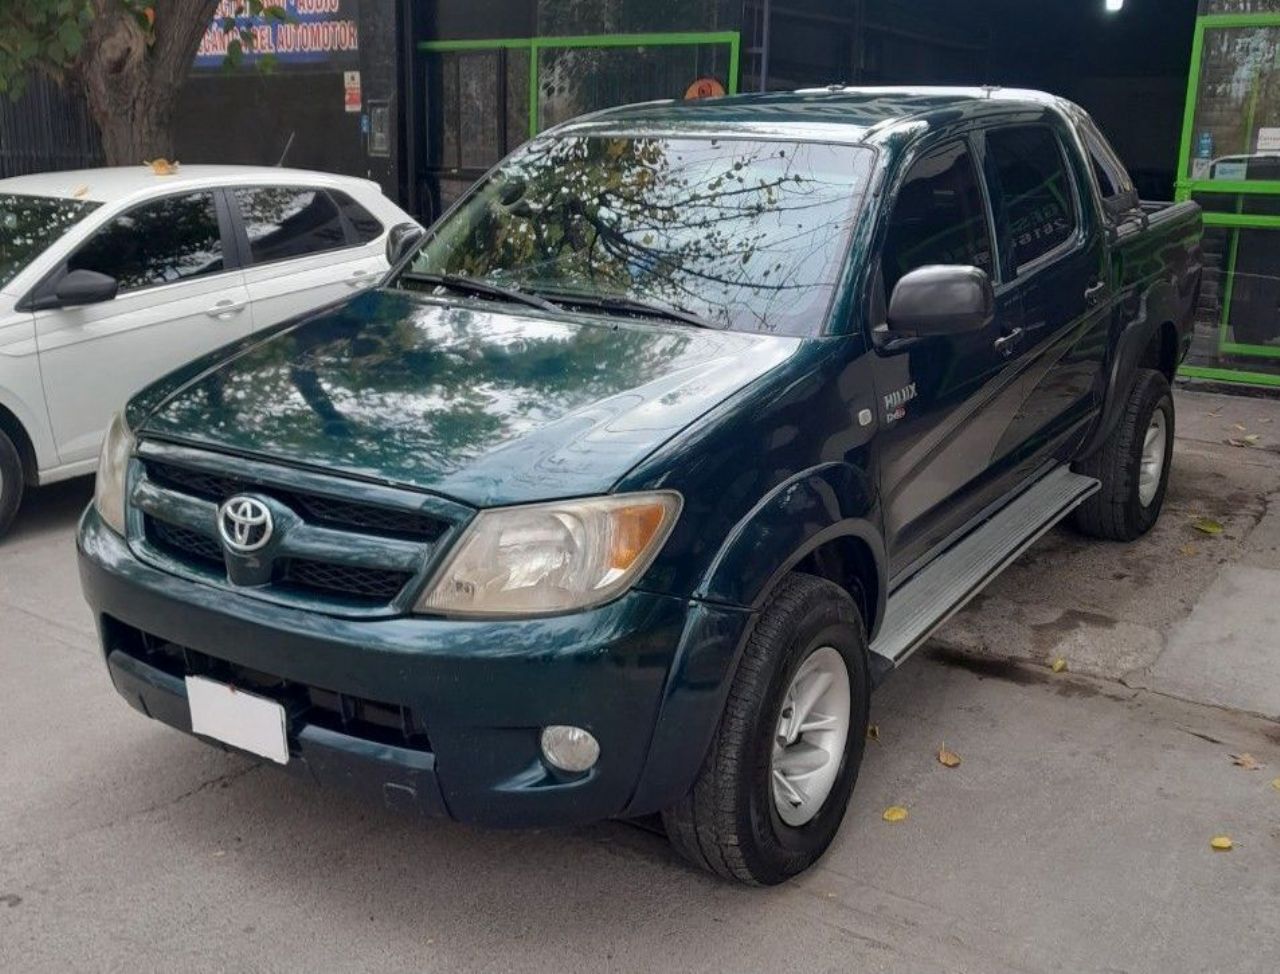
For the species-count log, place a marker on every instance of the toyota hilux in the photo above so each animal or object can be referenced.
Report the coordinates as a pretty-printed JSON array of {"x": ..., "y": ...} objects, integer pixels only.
[{"x": 678, "y": 434}]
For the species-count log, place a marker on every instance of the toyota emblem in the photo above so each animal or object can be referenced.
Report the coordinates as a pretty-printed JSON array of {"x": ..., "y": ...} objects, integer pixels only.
[{"x": 245, "y": 524}]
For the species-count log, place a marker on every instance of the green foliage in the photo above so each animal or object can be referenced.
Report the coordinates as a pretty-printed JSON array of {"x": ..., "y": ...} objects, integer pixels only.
[
  {"x": 47, "y": 34},
  {"x": 243, "y": 40},
  {"x": 50, "y": 35}
]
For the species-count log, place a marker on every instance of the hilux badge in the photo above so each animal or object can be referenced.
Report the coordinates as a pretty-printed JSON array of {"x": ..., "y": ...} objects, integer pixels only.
[
  {"x": 245, "y": 524},
  {"x": 895, "y": 403}
]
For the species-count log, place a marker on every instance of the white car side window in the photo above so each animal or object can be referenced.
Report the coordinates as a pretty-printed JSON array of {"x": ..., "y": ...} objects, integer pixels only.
[{"x": 159, "y": 242}]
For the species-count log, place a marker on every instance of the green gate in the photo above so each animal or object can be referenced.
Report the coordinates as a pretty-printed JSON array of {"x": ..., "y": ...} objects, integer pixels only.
[
  {"x": 482, "y": 98},
  {"x": 1230, "y": 164}
]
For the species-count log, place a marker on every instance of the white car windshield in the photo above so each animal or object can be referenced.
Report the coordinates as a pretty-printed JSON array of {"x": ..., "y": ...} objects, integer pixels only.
[{"x": 29, "y": 224}]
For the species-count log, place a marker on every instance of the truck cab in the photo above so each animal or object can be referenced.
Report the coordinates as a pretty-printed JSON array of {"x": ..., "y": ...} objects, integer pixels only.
[{"x": 673, "y": 439}]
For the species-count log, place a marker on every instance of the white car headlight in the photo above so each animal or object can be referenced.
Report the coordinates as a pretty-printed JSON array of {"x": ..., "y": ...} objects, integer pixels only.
[
  {"x": 113, "y": 469},
  {"x": 547, "y": 558}
]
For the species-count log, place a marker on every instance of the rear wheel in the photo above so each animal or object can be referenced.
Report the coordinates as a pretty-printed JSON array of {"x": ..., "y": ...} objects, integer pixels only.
[
  {"x": 12, "y": 482},
  {"x": 1133, "y": 465},
  {"x": 774, "y": 786}
]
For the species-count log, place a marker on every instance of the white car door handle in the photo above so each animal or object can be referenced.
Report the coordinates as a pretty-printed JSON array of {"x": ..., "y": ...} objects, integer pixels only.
[
  {"x": 226, "y": 309},
  {"x": 360, "y": 278}
]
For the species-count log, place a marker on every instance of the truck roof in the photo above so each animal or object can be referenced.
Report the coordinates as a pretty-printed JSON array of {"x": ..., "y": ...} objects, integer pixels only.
[{"x": 834, "y": 113}]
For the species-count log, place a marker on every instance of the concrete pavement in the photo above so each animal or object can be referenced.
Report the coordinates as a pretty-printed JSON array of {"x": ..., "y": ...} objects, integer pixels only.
[
  {"x": 1073, "y": 837},
  {"x": 1182, "y": 611}
]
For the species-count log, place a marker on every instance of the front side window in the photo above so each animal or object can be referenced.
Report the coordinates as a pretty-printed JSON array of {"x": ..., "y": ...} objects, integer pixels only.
[
  {"x": 284, "y": 223},
  {"x": 746, "y": 235},
  {"x": 939, "y": 217},
  {"x": 166, "y": 240},
  {"x": 30, "y": 224},
  {"x": 1035, "y": 188}
]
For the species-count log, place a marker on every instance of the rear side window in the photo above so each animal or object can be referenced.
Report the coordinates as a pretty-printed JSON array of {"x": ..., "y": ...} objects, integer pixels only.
[
  {"x": 1113, "y": 179},
  {"x": 366, "y": 226},
  {"x": 1036, "y": 189},
  {"x": 283, "y": 222},
  {"x": 166, "y": 240},
  {"x": 939, "y": 217}
]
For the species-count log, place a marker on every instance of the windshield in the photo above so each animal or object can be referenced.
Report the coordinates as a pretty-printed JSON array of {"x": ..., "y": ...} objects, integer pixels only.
[
  {"x": 746, "y": 235},
  {"x": 29, "y": 224}
]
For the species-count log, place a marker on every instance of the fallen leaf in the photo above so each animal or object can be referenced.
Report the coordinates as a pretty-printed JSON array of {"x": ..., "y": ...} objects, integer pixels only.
[
  {"x": 1266, "y": 422},
  {"x": 1216, "y": 412},
  {"x": 1276, "y": 784},
  {"x": 1244, "y": 441},
  {"x": 1241, "y": 427},
  {"x": 162, "y": 167},
  {"x": 947, "y": 758},
  {"x": 895, "y": 813},
  {"x": 1221, "y": 843},
  {"x": 1189, "y": 550},
  {"x": 1059, "y": 665},
  {"x": 1207, "y": 525},
  {"x": 1246, "y": 761},
  {"x": 873, "y": 732},
  {"x": 79, "y": 191}
]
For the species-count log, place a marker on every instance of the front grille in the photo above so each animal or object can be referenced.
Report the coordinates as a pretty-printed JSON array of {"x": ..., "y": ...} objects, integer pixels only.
[
  {"x": 180, "y": 542},
  {"x": 372, "y": 720},
  {"x": 363, "y": 559},
  {"x": 320, "y": 509},
  {"x": 377, "y": 584}
]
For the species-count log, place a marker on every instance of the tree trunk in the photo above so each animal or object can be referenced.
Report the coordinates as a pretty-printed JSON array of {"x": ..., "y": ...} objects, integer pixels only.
[{"x": 132, "y": 81}]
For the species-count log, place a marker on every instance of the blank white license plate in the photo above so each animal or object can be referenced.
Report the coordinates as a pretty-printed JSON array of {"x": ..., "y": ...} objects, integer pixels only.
[{"x": 251, "y": 723}]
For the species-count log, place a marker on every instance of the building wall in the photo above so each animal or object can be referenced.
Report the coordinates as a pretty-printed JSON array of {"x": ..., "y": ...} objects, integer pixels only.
[{"x": 297, "y": 111}]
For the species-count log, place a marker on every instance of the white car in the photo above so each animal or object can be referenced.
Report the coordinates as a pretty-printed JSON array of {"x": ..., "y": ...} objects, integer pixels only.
[{"x": 110, "y": 278}]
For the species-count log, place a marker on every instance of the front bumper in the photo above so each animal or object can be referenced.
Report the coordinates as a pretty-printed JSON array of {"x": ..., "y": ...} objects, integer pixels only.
[{"x": 646, "y": 674}]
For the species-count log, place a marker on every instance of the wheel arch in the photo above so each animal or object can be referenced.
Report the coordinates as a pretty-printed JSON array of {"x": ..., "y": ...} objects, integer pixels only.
[
  {"x": 823, "y": 521},
  {"x": 1152, "y": 341}
]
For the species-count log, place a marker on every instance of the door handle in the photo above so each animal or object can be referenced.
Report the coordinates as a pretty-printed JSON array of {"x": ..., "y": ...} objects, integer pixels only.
[
  {"x": 359, "y": 278},
  {"x": 1007, "y": 344},
  {"x": 226, "y": 309},
  {"x": 1093, "y": 293}
]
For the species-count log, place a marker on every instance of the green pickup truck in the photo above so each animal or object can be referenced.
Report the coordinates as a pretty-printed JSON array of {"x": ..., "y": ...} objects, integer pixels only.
[{"x": 650, "y": 460}]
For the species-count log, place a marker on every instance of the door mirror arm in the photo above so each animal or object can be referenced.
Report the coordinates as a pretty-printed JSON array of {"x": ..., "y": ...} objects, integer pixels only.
[{"x": 888, "y": 343}]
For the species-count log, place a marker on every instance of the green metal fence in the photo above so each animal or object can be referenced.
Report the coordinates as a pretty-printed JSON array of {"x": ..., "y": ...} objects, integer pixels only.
[{"x": 536, "y": 46}]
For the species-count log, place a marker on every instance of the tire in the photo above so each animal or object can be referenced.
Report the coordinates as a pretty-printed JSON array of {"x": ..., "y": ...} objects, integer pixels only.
[
  {"x": 12, "y": 483},
  {"x": 1119, "y": 511},
  {"x": 730, "y": 823}
]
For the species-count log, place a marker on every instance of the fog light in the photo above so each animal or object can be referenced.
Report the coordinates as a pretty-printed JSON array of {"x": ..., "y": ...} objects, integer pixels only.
[{"x": 570, "y": 748}]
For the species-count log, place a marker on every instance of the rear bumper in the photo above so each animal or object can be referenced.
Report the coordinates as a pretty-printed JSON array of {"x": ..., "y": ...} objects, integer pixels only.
[{"x": 646, "y": 674}]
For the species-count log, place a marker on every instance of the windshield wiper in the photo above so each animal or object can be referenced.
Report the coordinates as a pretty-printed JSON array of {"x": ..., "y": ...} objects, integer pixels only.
[
  {"x": 640, "y": 306},
  {"x": 470, "y": 285}
]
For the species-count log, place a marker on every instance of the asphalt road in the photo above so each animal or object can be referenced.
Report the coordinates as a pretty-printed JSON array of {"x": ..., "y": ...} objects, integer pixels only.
[{"x": 1073, "y": 837}]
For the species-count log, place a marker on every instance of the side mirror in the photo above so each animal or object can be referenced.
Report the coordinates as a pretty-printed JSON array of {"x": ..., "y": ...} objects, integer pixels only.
[
  {"x": 942, "y": 300},
  {"x": 84, "y": 287},
  {"x": 402, "y": 240}
]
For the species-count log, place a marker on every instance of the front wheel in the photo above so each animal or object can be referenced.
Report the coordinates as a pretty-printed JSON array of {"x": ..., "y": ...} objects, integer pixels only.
[
  {"x": 12, "y": 482},
  {"x": 1132, "y": 464},
  {"x": 774, "y": 786}
]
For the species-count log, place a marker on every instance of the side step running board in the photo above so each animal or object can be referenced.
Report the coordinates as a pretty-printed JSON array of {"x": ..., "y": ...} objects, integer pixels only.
[{"x": 943, "y": 587}]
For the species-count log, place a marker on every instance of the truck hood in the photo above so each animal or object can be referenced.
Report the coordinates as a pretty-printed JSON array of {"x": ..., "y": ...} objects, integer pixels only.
[{"x": 489, "y": 407}]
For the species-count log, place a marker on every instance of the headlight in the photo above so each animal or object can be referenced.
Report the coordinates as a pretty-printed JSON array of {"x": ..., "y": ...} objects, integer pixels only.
[
  {"x": 113, "y": 468},
  {"x": 548, "y": 558}
]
